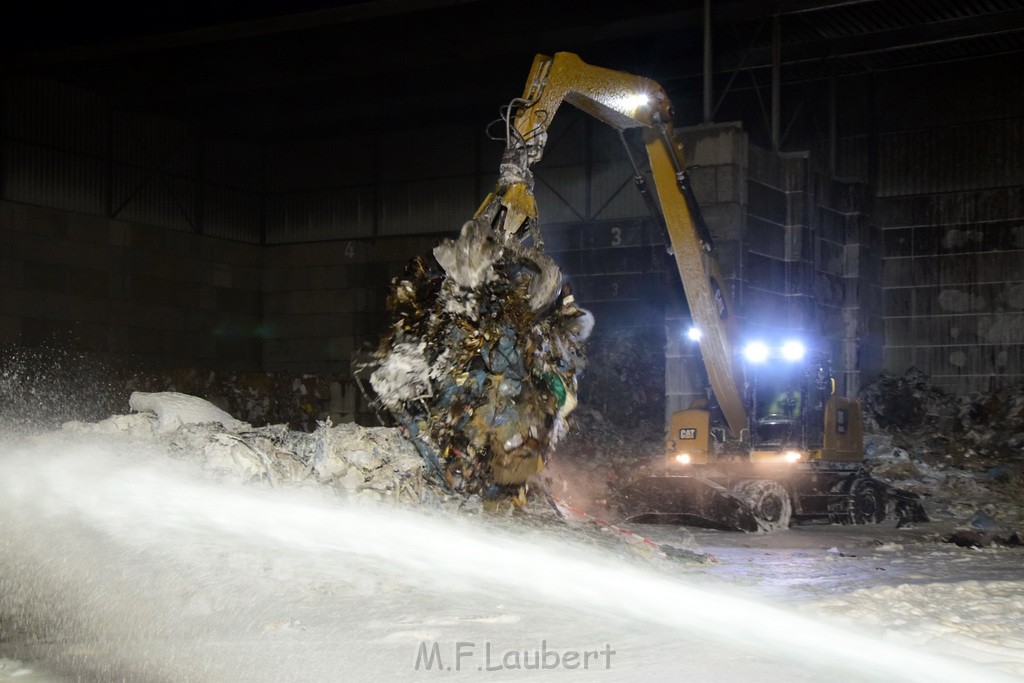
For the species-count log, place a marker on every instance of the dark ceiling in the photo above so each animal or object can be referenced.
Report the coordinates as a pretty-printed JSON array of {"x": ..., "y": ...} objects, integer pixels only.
[{"x": 282, "y": 70}]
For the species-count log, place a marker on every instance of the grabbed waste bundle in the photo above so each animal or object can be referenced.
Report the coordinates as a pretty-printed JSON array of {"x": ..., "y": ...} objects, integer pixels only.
[{"x": 480, "y": 364}]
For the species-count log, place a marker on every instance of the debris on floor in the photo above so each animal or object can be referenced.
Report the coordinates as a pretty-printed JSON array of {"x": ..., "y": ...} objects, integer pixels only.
[
  {"x": 355, "y": 463},
  {"x": 373, "y": 463}
]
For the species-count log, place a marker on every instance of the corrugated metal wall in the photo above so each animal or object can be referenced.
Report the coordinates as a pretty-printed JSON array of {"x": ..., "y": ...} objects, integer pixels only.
[
  {"x": 55, "y": 143},
  {"x": 69, "y": 149},
  {"x": 66, "y": 148},
  {"x": 431, "y": 181},
  {"x": 980, "y": 155}
]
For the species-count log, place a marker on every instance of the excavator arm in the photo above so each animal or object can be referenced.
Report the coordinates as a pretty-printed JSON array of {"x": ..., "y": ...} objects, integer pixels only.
[{"x": 624, "y": 101}]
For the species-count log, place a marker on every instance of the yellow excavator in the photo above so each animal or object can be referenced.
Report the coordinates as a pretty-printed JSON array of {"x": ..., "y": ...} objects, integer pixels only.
[{"x": 774, "y": 442}]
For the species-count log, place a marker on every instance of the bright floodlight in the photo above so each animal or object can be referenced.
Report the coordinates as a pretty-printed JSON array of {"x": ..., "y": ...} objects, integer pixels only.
[
  {"x": 756, "y": 352},
  {"x": 683, "y": 458},
  {"x": 637, "y": 100},
  {"x": 693, "y": 334},
  {"x": 792, "y": 350},
  {"x": 791, "y": 456}
]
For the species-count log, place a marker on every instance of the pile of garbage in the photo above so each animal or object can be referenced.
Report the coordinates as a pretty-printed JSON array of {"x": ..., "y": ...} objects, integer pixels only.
[
  {"x": 976, "y": 432},
  {"x": 964, "y": 454},
  {"x": 359, "y": 464},
  {"x": 372, "y": 463},
  {"x": 480, "y": 366}
]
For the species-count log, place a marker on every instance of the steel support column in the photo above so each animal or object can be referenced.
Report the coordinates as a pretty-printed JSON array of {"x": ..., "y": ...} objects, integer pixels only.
[
  {"x": 708, "y": 74},
  {"x": 776, "y": 81}
]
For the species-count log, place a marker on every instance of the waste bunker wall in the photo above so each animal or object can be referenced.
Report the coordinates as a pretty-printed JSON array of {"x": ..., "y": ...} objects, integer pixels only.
[{"x": 910, "y": 251}]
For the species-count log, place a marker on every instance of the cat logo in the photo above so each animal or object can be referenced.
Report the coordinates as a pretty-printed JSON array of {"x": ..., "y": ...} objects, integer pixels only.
[
  {"x": 716, "y": 292},
  {"x": 688, "y": 433}
]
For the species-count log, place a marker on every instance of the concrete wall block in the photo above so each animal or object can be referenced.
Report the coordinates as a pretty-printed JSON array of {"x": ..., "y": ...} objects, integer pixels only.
[
  {"x": 641, "y": 287},
  {"x": 900, "y": 332},
  {"x": 10, "y": 329},
  {"x": 801, "y": 278},
  {"x": 399, "y": 249},
  {"x": 767, "y": 202},
  {"x": 726, "y": 221},
  {"x": 766, "y": 238},
  {"x": 137, "y": 341},
  {"x": 703, "y": 180},
  {"x": 158, "y": 291},
  {"x": 794, "y": 247},
  {"x": 246, "y": 278},
  {"x": 798, "y": 211},
  {"x": 676, "y": 381},
  {"x": 47, "y": 277},
  {"x": 226, "y": 251},
  {"x": 324, "y": 253},
  {"x": 898, "y": 358},
  {"x": 766, "y": 167},
  {"x": 237, "y": 300},
  {"x": 852, "y": 254},
  {"x": 801, "y": 313},
  {"x": 731, "y": 184},
  {"x": 89, "y": 281},
  {"x": 310, "y": 349},
  {"x": 86, "y": 228},
  {"x": 12, "y": 271},
  {"x": 171, "y": 268},
  {"x": 714, "y": 144},
  {"x": 29, "y": 246},
  {"x": 829, "y": 289},
  {"x": 312, "y": 301},
  {"x": 832, "y": 226},
  {"x": 765, "y": 273},
  {"x": 764, "y": 308},
  {"x": 61, "y": 306},
  {"x": 36, "y": 220},
  {"x": 321, "y": 325},
  {"x": 38, "y": 331},
  {"x": 626, "y": 314},
  {"x": 729, "y": 259},
  {"x": 150, "y": 316},
  {"x": 795, "y": 165},
  {"x": 147, "y": 238},
  {"x": 612, "y": 234},
  {"x": 569, "y": 262},
  {"x": 238, "y": 354},
  {"x": 898, "y": 242},
  {"x": 620, "y": 260},
  {"x": 902, "y": 272},
  {"x": 831, "y": 257},
  {"x": 564, "y": 237},
  {"x": 898, "y": 301}
]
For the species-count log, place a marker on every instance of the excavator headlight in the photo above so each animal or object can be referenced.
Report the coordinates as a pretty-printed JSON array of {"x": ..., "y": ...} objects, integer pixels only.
[
  {"x": 792, "y": 456},
  {"x": 683, "y": 458},
  {"x": 756, "y": 352},
  {"x": 793, "y": 351},
  {"x": 694, "y": 334}
]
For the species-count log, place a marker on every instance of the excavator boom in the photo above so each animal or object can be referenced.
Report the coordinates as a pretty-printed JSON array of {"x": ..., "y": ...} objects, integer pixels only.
[{"x": 625, "y": 101}]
